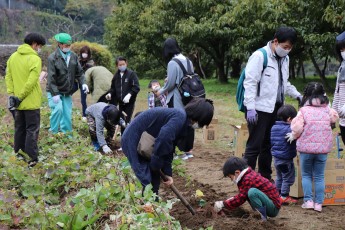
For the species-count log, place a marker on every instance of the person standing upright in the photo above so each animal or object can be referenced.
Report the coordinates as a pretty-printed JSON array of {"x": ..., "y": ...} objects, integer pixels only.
[
  {"x": 124, "y": 89},
  {"x": 22, "y": 82},
  {"x": 264, "y": 94},
  {"x": 63, "y": 69},
  {"x": 86, "y": 62}
]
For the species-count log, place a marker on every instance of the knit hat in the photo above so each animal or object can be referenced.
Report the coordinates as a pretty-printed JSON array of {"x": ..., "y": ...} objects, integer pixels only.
[{"x": 63, "y": 38}]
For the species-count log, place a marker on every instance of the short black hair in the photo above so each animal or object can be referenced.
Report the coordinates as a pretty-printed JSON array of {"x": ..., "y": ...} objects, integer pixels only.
[
  {"x": 32, "y": 38},
  {"x": 314, "y": 90},
  {"x": 285, "y": 112},
  {"x": 284, "y": 34},
  {"x": 120, "y": 58},
  {"x": 113, "y": 114},
  {"x": 151, "y": 82},
  {"x": 200, "y": 110},
  {"x": 233, "y": 164}
]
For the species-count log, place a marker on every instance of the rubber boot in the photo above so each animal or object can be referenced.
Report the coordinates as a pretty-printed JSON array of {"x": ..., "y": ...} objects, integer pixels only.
[{"x": 263, "y": 213}]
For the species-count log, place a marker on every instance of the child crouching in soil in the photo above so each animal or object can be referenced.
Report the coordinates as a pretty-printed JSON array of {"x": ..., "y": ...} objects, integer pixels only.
[{"x": 261, "y": 194}]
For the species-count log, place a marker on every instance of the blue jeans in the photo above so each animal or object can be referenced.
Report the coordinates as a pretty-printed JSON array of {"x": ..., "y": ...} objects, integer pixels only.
[
  {"x": 313, "y": 169},
  {"x": 82, "y": 96},
  {"x": 285, "y": 175}
]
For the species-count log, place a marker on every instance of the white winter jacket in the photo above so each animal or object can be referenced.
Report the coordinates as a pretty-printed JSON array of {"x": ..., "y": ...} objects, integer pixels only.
[{"x": 264, "y": 100}]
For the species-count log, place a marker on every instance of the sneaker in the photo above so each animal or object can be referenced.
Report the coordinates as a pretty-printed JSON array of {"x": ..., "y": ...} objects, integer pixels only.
[
  {"x": 308, "y": 204},
  {"x": 184, "y": 157},
  {"x": 119, "y": 149},
  {"x": 189, "y": 155},
  {"x": 32, "y": 163},
  {"x": 288, "y": 200},
  {"x": 263, "y": 213},
  {"x": 318, "y": 207}
]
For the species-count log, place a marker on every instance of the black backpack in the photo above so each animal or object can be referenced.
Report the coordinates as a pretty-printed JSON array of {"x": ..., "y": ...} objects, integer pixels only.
[{"x": 190, "y": 85}]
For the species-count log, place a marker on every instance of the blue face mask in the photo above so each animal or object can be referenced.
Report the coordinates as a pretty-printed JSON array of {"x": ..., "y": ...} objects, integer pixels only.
[{"x": 123, "y": 68}]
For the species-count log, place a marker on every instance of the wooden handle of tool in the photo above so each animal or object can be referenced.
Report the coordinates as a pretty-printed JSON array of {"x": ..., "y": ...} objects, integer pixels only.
[{"x": 178, "y": 194}]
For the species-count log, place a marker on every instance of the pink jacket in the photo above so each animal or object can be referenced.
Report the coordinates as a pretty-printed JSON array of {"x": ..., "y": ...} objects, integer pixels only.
[{"x": 312, "y": 128}]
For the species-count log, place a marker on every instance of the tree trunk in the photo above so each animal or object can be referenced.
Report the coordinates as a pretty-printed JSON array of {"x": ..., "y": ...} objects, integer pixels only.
[
  {"x": 236, "y": 68},
  {"x": 319, "y": 71},
  {"x": 303, "y": 71},
  {"x": 292, "y": 69},
  {"x": 221, "y": 72}
]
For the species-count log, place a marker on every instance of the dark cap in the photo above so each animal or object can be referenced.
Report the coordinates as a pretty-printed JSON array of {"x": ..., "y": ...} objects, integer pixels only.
[
  {"x": 233, "y": 164},
  {"x": 340, "y": 37}
]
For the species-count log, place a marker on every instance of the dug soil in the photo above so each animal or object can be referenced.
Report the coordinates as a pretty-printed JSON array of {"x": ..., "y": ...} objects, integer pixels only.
[{"x": 204, "y": 174}]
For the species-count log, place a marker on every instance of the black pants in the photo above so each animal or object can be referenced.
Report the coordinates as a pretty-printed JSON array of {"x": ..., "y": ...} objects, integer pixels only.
[
  {"x": 103, "y": 99},
  {"x": 342, "y": 133},
  {"x": 27, "y": 126},
  {"x": 128, "y": 108},
  {"x": 259, "y": 143}
]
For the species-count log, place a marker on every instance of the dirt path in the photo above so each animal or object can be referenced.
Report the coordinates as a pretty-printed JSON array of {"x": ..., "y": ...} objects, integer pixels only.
[{"x": 205, "y": 172}]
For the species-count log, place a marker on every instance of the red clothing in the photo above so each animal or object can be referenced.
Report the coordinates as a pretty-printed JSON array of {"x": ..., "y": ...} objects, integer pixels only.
[{"x": 252, "y": 179}]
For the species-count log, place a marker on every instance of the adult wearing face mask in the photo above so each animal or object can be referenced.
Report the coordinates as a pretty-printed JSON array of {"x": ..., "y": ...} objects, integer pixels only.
[
  {"x": 167, "y": 126},
  {"x": 86, "y": 62},
  {"x": 265, "y": 90},
  {"x": 339, "y": 94},
  {"x": 124, "y": 89},
  {"x": 63, "y": 70},
  {"x": 23, "y": 86}
]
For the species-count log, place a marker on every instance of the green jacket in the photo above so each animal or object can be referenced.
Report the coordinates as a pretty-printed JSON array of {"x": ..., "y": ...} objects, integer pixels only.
[
  {"x": 61, "y": 78},
  {"x": 98, "y": 79},
  {"x": 22, "y": 77}
]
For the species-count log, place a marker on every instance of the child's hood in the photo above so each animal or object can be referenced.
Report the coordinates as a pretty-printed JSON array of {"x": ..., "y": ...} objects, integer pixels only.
[{"x": 241, "y": 175}]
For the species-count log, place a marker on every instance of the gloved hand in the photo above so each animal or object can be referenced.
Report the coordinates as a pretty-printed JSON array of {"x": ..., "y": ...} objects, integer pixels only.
[
  {"x": 56, "y": 99},
  {"x": 13, "y": 102},
  {"x": 106, "y": 149},
  {"x": 85, "y": 88},
  {"x": 108, "y": 96},
  {"x": 289, "y": 137},
  {"x": 299, "y": 99},
  {"x": 342, "y": 112},
  {"x": 127, "y": 98},
  {"x": 43, "y": 76},
  {"x": 252, "y": 117},
  {"x": 218, "y": 206}
]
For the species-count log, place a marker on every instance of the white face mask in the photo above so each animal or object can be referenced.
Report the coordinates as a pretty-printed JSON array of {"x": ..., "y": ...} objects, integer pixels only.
[
  {"x": 196, "y": 126},
  {"x": 122, "y": 68},
  {"x": 282, "y": 52},
  {"x": 84, "y": 55},
  {"x": 39, "y": 50},
  {"x": 66, "y": 50},
  {"x": 343, "y": 55}
]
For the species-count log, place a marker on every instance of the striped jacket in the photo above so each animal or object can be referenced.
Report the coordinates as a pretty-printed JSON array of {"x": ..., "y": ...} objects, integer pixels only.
[{"x": 339, "y": 94}]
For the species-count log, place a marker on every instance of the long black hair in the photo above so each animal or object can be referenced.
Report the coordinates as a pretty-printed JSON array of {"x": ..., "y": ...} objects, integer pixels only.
[
  {"x": 170, "y": 49},
  {"x": 339, "y": 44},
  {"x": 314, "y": 90}
]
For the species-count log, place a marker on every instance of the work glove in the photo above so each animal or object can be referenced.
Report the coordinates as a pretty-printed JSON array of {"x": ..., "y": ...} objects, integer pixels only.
[
  {"x": 127, "y": 98},
  {"x": 218, "y": 206},
  {"x": 108, "y": 96},
  {"x": 85, "y": 88},
  {"x": 299, "y": 99},
  {"x": 252, "y": 116},
  {"x": 106, "y": 149},
  {"x": 56, "y": 99},
  {"x": 13, "y": 102},
  {"x": 342, "y": 112},
  {"x": 289, "y": 137}
]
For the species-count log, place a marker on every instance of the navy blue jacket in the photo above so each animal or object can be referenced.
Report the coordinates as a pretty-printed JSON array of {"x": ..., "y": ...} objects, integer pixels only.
[
  {"x": 280, "y": 148},
  {"x": 167, "y": 125}
]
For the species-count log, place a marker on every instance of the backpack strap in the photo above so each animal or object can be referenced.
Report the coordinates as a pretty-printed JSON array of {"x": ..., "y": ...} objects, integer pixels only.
[
  {"x": 264, "y": 52},
  {"x": 189, "y": 68}
]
